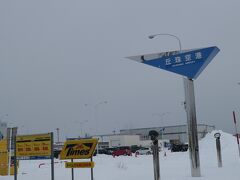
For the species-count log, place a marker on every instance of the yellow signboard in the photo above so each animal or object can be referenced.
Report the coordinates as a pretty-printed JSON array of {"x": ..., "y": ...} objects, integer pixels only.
[
  {"x": 78, "y": 149},
  {"x": 3, "y": 145},
  {"x": 33, "y": 145},
  {"x": 79, "y": 165},
  {"x": 3, "y": 158}
]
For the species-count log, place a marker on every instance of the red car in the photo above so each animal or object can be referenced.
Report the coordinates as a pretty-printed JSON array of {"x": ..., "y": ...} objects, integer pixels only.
[{"x": 124, "y": 150}]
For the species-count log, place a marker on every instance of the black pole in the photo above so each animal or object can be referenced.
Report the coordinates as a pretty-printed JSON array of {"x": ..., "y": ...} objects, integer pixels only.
[
  {"x": 219, "y": 154},
  {"x": 156, "y": 165},
  {"x": 15, "y": 158},
  {"x": 91, "y": 170},
  {"x": 52, "y": 158},
  {"x": 72, "y": 171}
]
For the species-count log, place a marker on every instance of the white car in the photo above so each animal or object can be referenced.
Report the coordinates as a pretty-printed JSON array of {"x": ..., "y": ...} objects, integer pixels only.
[{"x": 144, "y": 151}]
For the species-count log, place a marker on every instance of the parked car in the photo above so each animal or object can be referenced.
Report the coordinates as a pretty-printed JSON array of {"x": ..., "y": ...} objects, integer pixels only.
[
  {"x": 122, "y": 151},
  {"x": 102, "y": 151},
  {"x": 56, "y": 153},
  {"x": 110, "y": 150},
  {"x": 107, "y": 151},
  {"x": 179, "y": 147},
  {"x": 144, "y": 151},
  {"x": 134, "y": 148}
]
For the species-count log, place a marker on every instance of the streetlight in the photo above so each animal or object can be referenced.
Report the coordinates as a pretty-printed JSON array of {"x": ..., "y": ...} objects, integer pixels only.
[
  {"x": 95, "y": 108},
  {"x": 191, "y": 119},
  {"x": 161, "y": 117},
  {"x": 81, "y": 123},
  {"x": 167, "y": 34},
  {"x": 95, "y": 113},
  {"x": 57, "y": 129},
  {"x": 180, "y": 49}
]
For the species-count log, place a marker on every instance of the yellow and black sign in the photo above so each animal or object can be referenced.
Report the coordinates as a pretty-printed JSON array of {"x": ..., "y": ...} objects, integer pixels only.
[
  {"x": 3, "y": 158},
  {"x": 78, "y": 149},
  {"x": 33, "y": 145},
  {"x": 79, "y": 165},
  {"x": 3, "y": 145}
]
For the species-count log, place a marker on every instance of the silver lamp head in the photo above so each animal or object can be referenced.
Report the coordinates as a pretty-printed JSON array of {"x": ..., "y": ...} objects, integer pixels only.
[{"x": 151, "y": 36}]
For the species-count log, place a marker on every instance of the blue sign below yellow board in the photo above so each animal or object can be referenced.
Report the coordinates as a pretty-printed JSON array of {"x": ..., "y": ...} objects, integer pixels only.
[{"x": 189, "y": 63}]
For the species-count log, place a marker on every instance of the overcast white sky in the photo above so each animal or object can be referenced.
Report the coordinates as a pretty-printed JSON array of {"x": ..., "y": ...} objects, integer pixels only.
[{"x": 59, "y": 59}]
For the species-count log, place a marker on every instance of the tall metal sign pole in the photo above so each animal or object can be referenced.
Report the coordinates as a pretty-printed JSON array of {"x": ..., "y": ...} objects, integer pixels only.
[
  {"x": 188, "y": 63},
  {"x": 192, "y": 127}
]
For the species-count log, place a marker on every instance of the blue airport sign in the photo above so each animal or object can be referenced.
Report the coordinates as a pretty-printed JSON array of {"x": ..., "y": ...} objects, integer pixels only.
[{"x": 189, "y": 63}]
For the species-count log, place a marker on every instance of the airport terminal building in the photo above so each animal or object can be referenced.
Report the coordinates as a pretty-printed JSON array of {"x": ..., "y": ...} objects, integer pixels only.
[
  {"x": 175, "y": 134},
  {"x": 139, "y": 136}
]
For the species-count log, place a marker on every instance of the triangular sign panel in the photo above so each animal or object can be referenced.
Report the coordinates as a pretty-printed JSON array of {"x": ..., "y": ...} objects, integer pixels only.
[{"x": 189, "y": 63}]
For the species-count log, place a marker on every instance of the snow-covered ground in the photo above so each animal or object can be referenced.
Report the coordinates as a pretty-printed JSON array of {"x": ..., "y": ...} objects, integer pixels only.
[{"x": 175, "y": 166}]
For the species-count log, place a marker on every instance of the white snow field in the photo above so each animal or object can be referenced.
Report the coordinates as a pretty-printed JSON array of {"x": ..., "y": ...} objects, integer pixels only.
[{"x": 175, "y": 166}]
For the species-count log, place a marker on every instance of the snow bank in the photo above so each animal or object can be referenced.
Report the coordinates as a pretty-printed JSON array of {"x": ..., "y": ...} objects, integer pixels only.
[
  {"x": 229, "y": 147},
  {"x": 175, "y": 166}
]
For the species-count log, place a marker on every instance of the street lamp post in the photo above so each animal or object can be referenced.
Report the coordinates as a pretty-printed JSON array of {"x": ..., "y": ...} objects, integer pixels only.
[
  {"x": 96, "y": 121},
  {"x": 191, "y": 117},
  {"x": 81, "y": 123},
  {"x": 57, "y": 129},
  {"x": 161, "y": 117},
  {"x": 95, "y": 113}
]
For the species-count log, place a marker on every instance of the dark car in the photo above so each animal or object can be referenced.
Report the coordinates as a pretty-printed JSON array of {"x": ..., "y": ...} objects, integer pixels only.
[
  {"x": 107, "y": 151},
  {"x": 104, "y": 151},
  {"x": 179, "y": 147},
  {"x": 134, "y": 148},
  {"x": 56, "y": 153},
  {"x": 122, "y": 151},
  {"x": 110, "y": 150}
]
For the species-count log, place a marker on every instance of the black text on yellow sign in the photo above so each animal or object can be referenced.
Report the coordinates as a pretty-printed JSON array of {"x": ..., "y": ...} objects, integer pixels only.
[
  {"x": 3, "y": 158},
  {"x": 78, "y": 149},
  {"x": 33, "y": 145},
  {"x": 79, "y": 165}
]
